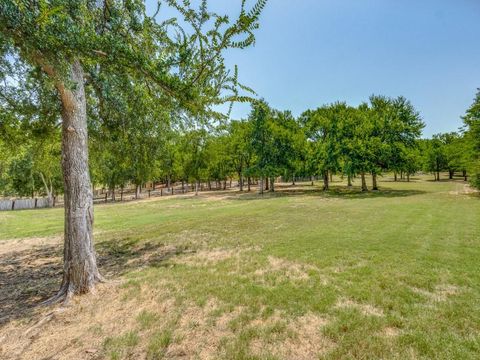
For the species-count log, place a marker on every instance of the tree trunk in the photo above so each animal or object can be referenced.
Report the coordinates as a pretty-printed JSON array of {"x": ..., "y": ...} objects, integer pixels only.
[
  {"x": 311, "y": 179},
  {"x": 113, "y": 193},
  {"x": 374, "y": 181},
  {"x": 225, "y": 184},
  {"x": 196, "y": 187},
  {"x": 240, "y": 180},
  {"x": 450, "y": 175},
  {"x": 261, "y": 185},
  {"x": 325, "y": 181},
  {"x": 408, "y": 177},
  {"x": 272, "y": 184},
  {"x": 137, "y": 191},
  {"x": 364, "y": 183},
  {"x": 438, "y": 175},
  {"x": 49, "y": 191},
  {"x": 331, "y": 176},
  {"x": 266, "y": 184},
  {"x": 293, "y": 179},
  {"x": 249, "y": 183},
  {"x": 80, "y": 272},
  {"x": 464, "y": 175},
  {"x": 395, "y": 176},
  {"x": 349, "y": 181}
]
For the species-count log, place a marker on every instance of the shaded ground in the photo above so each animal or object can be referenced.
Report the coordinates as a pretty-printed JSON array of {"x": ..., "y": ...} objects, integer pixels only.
[{"x": 33, "y": 273}]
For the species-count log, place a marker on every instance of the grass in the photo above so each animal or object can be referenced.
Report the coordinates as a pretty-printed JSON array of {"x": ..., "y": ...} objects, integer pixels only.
[{"x": 339, "y": 275}]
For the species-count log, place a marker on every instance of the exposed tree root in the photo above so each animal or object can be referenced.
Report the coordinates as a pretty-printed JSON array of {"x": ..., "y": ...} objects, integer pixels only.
[{"x": 68, "y": 290}]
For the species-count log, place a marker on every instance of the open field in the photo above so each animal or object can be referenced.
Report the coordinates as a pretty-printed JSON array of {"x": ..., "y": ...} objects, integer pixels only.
[{"x": 299, "y": 274}]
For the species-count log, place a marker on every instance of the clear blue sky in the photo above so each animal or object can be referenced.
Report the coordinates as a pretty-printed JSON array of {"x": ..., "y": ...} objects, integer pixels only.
[{"x": 311, "y": 52}]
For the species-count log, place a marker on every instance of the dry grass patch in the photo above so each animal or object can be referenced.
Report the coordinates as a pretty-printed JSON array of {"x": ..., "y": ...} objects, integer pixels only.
[
  {"x": 299, "y": 338},
  {"x": 290, "y": 269},
  {"x": 441, "y": 293},
  {"x": 365, "y": 309}
]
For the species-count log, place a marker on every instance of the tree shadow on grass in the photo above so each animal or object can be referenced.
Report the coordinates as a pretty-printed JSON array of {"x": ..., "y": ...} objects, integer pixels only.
[
  {"x": 30, "y": 276},
  {"x": 334, "y": 192}
]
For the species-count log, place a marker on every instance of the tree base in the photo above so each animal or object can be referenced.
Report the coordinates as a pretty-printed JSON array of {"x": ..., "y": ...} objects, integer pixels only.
[{"x": 68, "y": 290}]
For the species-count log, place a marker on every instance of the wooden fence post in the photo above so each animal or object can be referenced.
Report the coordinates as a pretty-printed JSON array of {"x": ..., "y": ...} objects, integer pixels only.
[
  {"x": 35, "y": 203},
  {"x": 13, "y": 204}
]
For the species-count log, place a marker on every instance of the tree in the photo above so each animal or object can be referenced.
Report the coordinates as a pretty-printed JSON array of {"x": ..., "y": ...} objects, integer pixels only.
[
  {"x": 435, "y": 157},
  {"x": 472, "y": 140},
  {"x": 323, "y": 129},
  {"x": 70, "y": 40}
]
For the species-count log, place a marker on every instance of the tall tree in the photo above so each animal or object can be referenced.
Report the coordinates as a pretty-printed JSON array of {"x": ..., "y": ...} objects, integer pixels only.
[{"x": 68, "y": 40}]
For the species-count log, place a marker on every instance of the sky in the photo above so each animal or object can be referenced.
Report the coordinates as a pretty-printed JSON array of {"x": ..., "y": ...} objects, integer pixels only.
[{"x": 313, "y": 52}]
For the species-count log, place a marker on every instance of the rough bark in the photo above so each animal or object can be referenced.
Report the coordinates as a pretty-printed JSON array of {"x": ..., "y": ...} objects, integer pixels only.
[{"x": 80, "y": 272}]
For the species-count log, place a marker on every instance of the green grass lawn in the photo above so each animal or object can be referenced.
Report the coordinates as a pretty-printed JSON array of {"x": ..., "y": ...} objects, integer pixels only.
[{"x": 393, "y": 274}]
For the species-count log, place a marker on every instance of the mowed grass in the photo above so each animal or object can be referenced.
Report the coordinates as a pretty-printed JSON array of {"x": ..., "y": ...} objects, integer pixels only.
[{"x": 393, "y": 274}]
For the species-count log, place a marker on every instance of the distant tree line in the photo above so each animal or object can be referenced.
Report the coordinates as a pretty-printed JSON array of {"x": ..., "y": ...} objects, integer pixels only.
[{"x": 381, "y": 135}]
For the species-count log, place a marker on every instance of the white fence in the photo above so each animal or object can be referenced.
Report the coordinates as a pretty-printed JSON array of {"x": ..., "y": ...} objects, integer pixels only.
[{"x": 18, "y": 204}]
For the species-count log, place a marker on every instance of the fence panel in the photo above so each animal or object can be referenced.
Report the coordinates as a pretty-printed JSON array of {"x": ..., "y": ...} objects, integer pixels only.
[{"x": 20, "y": 204}]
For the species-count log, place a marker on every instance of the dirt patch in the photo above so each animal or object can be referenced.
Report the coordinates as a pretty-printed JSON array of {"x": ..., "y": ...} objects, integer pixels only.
[
  {"x": 365, "y": 309},
  {"x": 301, "y": 339}
]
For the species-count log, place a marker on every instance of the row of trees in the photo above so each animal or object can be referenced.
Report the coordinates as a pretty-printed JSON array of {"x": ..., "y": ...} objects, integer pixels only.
[{"x": 378, "y": 136}]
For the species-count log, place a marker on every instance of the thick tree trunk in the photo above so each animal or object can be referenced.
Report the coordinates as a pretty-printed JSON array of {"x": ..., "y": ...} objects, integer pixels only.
[
  {"x": 137, "y": 191},
  {"x": 364, "y": 183},
  {"x": 450, "y": 175},
  {"x": 331, "y": 176},
  {"x": 408, "y": 177},
  {"x": 325, "y": 181},
  {"x": 374, "y": 181},
  {"x": 80, "y": 272},
  {"x": 438, "y": 175}
]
